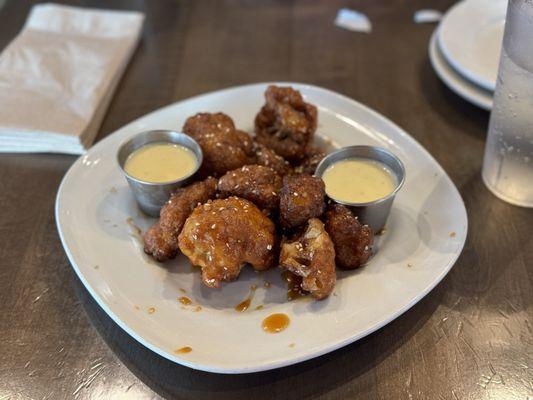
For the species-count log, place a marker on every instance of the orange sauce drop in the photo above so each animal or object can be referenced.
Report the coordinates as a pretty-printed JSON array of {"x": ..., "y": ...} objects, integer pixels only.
[
  {"x": 245, "y": 304},
  {"x": 294, "y": 286},
  {"x": 275, "y": 323},
  {"x": 198, "y": 309},
  {"x": 185, "y": 300},
  {"x": 151, "y": 310},
  {"x": 183, "y": 350},
  {"x": 259, "y": 307}
]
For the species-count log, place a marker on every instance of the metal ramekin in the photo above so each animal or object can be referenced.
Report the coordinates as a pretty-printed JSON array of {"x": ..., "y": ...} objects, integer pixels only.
[
  {"x": 374, "y": 213},
  {"x": 149, "y": 195}
]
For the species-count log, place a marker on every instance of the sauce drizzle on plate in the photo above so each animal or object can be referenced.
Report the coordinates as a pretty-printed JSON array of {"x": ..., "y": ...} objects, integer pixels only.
[
  {"x": 185, "y": 300},
  {"x": 183, "y": 350},
  {"x": 245, "y": 304},
  {"x": 276, "y": 323},
  {"x": 294, "y": 288}
]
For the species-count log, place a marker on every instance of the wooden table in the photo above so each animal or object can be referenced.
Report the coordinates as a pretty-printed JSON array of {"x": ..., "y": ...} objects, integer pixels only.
[{"x": 470, "y": 338}]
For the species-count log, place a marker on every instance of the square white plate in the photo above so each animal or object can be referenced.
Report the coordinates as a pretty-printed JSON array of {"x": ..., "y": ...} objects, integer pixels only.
[{"x": 425, "y": 234}]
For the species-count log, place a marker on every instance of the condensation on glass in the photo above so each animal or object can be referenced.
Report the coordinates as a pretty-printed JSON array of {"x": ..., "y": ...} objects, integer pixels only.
[{"x": 508, "y": 163}]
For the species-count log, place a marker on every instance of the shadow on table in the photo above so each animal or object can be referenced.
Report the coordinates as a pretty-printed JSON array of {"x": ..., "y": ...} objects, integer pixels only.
[
  {"x": 491, "y": 247},
  {"x": 457, "y": 111},
  {"x": 304, "y": 380}
]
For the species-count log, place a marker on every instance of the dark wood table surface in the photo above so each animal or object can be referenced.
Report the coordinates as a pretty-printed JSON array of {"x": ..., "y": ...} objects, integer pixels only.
[{"x": 470, "y": 338}]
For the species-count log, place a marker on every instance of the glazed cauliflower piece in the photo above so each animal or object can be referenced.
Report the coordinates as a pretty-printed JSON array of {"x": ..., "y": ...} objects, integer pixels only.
[
  {"x": 286, "y": 123},
  {"x": 224, "y": 147},
  {"x": 260, "y": 185},
  {"x": 221, "y": 236},
  {"x": 161, "y": 240},
  {"x": 352, "y": 240},
  {"x": 301, "y": 198},
  {"x": 312, "y": 158},
  {"x": 269, "y": 158},
  {"x": 311, "y": 256}
]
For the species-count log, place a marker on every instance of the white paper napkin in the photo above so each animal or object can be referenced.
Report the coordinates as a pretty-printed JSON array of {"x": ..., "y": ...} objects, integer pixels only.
[
  {"x": 427, "y": 16},
  {"x": 353, "y": 20},
  {"x": 58, "y": 75}
]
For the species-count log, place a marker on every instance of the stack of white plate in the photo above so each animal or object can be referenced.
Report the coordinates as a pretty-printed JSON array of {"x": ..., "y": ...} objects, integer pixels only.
[{"x": 465, "y": 49}]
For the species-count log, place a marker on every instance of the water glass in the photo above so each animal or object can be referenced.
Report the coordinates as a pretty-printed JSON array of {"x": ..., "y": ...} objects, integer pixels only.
[{"x": 508, "y": 162}]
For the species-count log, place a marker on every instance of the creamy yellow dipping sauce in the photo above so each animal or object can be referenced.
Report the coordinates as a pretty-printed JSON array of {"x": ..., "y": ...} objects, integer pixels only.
[
  {"x": 358, "y": 180},
  {"x": 160, "y": 162}
]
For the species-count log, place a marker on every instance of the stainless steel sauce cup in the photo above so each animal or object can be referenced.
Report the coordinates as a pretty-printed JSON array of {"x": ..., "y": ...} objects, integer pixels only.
[
  {"x": 374, "y": 213},
  {"x": 149, "y": 195}
]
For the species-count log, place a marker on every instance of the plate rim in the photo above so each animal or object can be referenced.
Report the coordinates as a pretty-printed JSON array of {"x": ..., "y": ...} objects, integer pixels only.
[
  {"x": 460, "y": 68},
  {"x": 465, "y": 89},
  {"x": 324, "y": 349}
]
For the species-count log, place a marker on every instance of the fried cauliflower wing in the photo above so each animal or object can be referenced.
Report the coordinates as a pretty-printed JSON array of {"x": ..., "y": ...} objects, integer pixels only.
[
  {"x": 224, "y": 147},
  {"x": 222, "y": 235},
  {"x": 269, "y": 158},
  {"x": 286, "y": 123},
  {"x": 311, "y": 160},
  {"x": 352, "y": 240},
  {"x": 301, "y": 198},
  {"x": 161, "y": 240},
  {"x": 259, "y": 184},
  {"x": 311, "y": 255}
]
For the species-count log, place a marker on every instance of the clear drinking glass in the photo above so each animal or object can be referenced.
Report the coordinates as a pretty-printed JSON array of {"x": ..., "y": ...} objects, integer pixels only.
[{"x": 508, "y": 163}]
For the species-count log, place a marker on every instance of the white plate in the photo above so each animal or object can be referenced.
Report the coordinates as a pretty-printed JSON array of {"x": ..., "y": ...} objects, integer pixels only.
[
  {"x": 425, "y": 234},
  {"x": 464, "y": 88},
  {"x": 470, "y": 38}
]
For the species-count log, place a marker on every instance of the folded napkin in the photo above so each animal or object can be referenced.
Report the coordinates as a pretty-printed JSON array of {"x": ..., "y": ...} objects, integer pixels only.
[{"x": 58, "y": 75}]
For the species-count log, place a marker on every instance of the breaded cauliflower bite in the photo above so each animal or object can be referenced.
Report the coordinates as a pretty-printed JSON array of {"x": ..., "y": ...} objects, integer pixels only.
[
  {"x": 311, "y": 255},
  {"x": 301, "y": 198},
  {"x": 224, "y": 147},
  {"x": 286, "y": 123},
  {"x": 352, "y": 240},
  {"x": 311, "y": 160},
  {"x": 161, "y": 240},
  {"x": 260, "y": 185},
  {"x": 222, "y": 235},
  {"x": 269, "y": 158}
]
